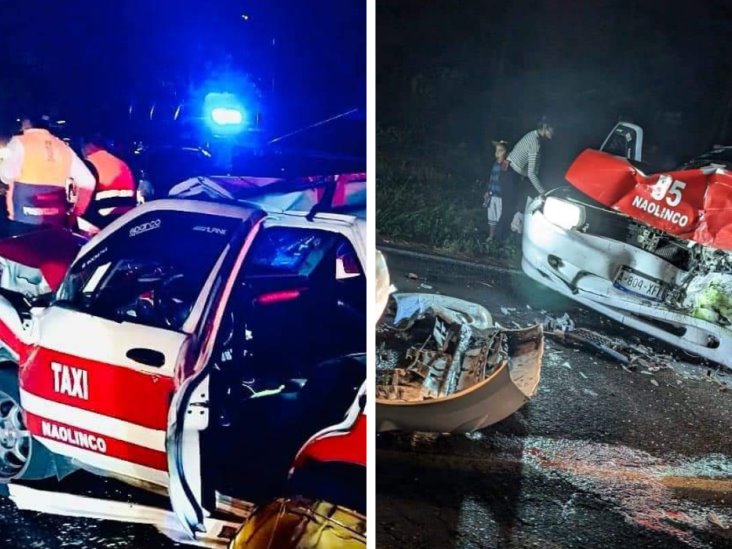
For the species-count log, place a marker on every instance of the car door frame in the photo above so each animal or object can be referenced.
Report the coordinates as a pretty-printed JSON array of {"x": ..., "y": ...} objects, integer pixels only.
[
  {"x": 191, "y": 401},
  {"x": 139, "y": 442},
  {"x": 634, "y": 152}
]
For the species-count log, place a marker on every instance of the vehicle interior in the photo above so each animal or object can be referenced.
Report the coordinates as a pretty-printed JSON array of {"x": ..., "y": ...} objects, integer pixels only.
[
  {"x": 281, "y": 368},
  {"x": 148, "y": 278}
]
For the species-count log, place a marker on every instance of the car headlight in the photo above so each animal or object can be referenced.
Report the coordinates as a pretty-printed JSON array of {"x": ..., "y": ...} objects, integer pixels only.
[{"x": 564, "y": 214}]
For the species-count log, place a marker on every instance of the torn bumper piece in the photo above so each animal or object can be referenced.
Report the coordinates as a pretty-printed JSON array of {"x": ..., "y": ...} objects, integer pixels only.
[{"x": 442, "y": 366}]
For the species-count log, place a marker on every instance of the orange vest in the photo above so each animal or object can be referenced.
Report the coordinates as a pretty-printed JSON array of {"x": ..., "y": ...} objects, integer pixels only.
[
  {"x": 115, "y": 191},
  {"x": 39, "y": 194}
]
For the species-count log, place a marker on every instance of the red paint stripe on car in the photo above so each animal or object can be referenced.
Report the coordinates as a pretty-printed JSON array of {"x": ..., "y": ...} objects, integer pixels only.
[
  {"x": 11, "y": 339},
  {"x": 116, "y": 391},
  {"x": 345, "y": 447},
  {"x": 94, "y": 442}
]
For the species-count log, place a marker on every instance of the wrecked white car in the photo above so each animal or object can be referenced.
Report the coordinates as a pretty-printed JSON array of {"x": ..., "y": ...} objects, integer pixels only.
[
  {"x": 443, "y": 366},
  {"x": 191, "y": 348},
  {"x": 649, "y": 251}
]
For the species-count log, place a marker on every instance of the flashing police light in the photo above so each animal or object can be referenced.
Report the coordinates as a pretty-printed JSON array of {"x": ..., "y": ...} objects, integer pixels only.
[
  {"x": 224, "y": 113},
  {"x": 227, "y": 116}
]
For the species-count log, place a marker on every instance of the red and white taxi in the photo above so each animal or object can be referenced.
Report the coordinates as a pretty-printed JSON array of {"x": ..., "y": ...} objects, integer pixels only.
[
  {"x": 649, "y": 248},
  {"x": 191, "y": 348}
]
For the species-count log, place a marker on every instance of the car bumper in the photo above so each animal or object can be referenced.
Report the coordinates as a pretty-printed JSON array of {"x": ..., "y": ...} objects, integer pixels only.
[{"x": 584, "y": 267}]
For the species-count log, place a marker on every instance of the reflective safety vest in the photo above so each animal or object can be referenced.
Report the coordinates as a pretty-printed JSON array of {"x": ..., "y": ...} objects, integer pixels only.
[
  {"x": 38, "y": 196},
  {"x": 115, "y": 191}
]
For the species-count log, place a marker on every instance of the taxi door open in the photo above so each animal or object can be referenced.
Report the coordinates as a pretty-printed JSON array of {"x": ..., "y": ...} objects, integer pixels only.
[
  {"x": 97, "y": 382},
  {"x": 283, "y": 252}
]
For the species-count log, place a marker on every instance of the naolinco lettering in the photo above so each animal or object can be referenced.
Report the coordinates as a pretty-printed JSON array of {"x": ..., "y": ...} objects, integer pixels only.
[
  {"x": 661, "y": 212},
  {"x": 144, "y": 227},
  {"x": 73, "y": 437}
]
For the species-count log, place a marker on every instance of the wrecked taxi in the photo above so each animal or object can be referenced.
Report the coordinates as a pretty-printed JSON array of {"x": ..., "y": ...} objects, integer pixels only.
[
  {"x": 443, "y": 366},
  {"x": 188, "y": 349},
  {"x": 650, "y": 249}
]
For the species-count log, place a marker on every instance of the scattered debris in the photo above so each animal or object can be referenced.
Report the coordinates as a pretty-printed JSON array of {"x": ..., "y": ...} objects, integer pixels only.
[
  {"x": 713, "y": 518},
  {"x": 630, "y": 355},
  {"x": 712, "y": 376},
  {"x": 485, "y": 284},
  {"x": 568, "y": 508},
  {"x": 654, "y": 382},
  {"x": 425, "y": 286},
  {"x": 589, "y": 392},
  {"x": 567, "y": 365},
  {"x": 507, "y": 310},
  {"x": 529, "y": 307},
  {"x": 412, "y": 276},
  {"x": 583, "y": 375}
]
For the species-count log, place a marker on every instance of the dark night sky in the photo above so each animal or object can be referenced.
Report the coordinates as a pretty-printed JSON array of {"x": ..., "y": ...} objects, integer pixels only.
[
  {"x": 472, "y": 71},
  {"x": 89, "y": 59}
]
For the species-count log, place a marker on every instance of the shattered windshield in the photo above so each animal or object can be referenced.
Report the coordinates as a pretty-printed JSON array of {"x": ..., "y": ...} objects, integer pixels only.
[{"x": 151, "y": 271}]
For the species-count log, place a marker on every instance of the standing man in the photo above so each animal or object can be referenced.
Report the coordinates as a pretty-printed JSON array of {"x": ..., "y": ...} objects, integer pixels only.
[
  {"x": 115, "y": 193},
  {"x": 38, "y": 168},
  {"x": 525, "y": 159}
]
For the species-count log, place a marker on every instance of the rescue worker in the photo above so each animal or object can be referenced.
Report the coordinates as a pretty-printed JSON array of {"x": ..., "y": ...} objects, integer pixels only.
[
  {"x": 115, "y": 192},
  {"x": 39, "y": 168}
]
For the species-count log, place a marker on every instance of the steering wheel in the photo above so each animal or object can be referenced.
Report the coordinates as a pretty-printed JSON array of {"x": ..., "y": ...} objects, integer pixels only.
[{"x": 172, "y": 301}]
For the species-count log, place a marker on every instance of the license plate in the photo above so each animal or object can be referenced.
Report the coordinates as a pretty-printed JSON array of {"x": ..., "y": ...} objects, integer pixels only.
[{"x": 639, "y": 284}]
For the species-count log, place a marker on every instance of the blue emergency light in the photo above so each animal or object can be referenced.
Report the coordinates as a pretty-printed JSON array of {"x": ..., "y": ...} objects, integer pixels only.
[
  {"x": 224, "y": 113},
  {"x": 225, "y": 116}
]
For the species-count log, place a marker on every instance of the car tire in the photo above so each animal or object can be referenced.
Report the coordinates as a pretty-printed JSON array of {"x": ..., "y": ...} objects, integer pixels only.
[{"x": 21, "y": 456}]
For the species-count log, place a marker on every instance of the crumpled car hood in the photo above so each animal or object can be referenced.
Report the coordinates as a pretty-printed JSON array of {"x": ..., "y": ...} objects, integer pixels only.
[{"x": 693, "y": 204}]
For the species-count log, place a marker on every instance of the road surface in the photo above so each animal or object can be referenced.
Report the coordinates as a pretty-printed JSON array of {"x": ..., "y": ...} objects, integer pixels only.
[
  {"x": 27, "y": 529},
  {"x": 601, "y": 457}
]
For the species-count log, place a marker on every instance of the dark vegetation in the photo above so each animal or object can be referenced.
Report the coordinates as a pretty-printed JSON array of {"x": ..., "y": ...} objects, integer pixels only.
[{"x": 451, "y": 79}]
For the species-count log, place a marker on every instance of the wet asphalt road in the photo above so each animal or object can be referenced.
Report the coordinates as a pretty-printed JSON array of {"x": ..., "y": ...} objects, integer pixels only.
[{"x": 601, "y": 457}]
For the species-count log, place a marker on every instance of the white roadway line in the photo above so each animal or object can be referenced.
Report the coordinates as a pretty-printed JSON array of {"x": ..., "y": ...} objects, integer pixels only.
[{"x": 388, "y": 249}]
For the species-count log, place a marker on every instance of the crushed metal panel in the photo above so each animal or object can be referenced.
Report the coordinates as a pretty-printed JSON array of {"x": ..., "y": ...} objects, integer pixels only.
[{"x": 442, "y": 366}]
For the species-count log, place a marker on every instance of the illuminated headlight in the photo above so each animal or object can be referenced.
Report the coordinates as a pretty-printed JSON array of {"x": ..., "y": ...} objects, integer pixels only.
[{"x": 564, "y": 214}]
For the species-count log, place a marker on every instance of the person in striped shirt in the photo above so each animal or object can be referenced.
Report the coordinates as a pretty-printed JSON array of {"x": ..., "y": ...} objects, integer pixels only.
[{"x": 525, "y": 159}]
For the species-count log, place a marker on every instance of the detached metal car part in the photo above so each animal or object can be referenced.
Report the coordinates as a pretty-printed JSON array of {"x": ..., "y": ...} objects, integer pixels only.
[
  {"x": 650, "y": 252},
  {"x": 442, "y": 366}
]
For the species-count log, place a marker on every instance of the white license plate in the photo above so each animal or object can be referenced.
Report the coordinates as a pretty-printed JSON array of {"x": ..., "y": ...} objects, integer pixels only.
[{"x": 639, "y": 284}]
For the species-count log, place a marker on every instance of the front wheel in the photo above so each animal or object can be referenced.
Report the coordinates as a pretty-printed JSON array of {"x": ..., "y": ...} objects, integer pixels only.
[{"x": 21, "y": 456}]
